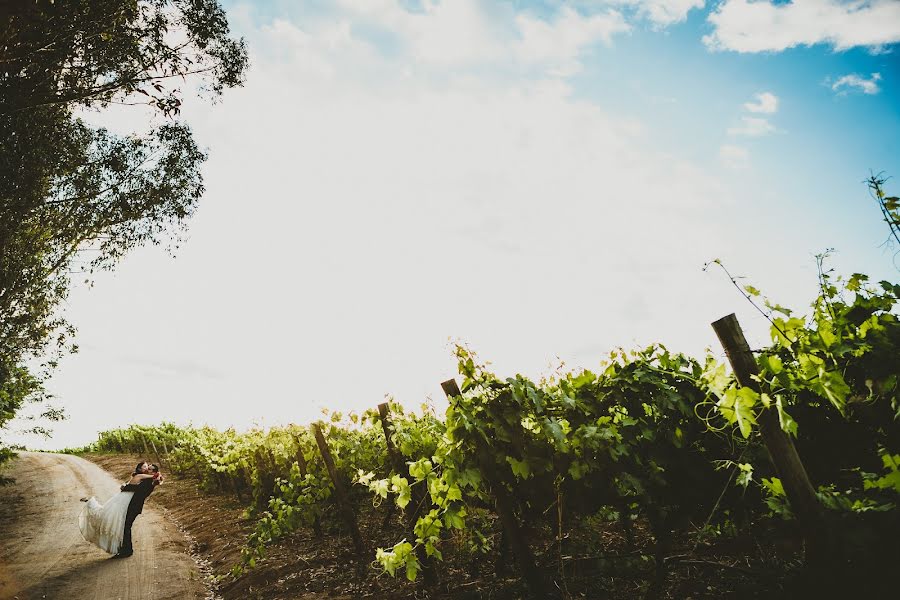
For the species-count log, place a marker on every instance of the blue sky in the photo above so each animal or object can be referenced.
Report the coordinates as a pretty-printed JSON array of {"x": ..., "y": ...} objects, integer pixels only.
[
  {"x": 541, "y": 182},
  {"x": 826, "y": 141}
]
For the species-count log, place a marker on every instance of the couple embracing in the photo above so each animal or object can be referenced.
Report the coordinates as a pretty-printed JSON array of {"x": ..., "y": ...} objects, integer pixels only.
[{"x": 108, "y": 526}]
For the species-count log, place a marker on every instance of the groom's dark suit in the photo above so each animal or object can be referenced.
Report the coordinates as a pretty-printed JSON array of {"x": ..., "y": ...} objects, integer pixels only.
[{"x": 141, "y": 490}]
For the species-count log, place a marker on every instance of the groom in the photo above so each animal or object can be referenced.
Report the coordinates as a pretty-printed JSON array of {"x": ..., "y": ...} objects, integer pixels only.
[{"x": 136, "y": 506}]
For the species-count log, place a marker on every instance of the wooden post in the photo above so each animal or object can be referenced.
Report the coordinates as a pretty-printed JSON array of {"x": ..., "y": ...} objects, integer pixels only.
[
  {"x": 240, "y": 483},
  {"x": 790, "y": 469},
  {"x": 159, "y": 461},
  {"x": 262, "y": 490},
  {"x": 394, "y": 459},
  {"x": 166, "y": 452},
  {"x": 300, "y": 457},
  {"x": 393, "y": 454},
  {"x": 506, "y": 509},
  {"x": 304, "y": 469},
  {"x": 271, "y": 469},
  {"x": 417, "y": 495},
  {"x": 146, "y": 449},
  {"x": 339, "y": 493}
]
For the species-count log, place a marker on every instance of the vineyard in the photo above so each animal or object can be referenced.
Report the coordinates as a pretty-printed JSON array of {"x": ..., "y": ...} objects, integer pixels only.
[
  {"x": 800, "y": 445},
  {"x": 569, "y": 162}
]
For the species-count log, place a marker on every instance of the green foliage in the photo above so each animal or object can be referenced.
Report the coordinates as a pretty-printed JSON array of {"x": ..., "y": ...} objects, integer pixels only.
[
  {"x": 891, "y": 479},
  {"x": 626, "y": 437},
  {"x": 300, "y": 499},
  {"x": 6, "y": 454},
  {"x": 17, "y": 386},
  {"x": 833, "y": 378},
  {"x": 776, "y": 498},
  {"x": 890, "y": 210}
]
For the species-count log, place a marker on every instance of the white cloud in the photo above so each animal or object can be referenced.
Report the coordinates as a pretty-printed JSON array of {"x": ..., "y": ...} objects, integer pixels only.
[
  {"x": 854, "y": 81},
  {"x": 766, "y": 103},
  {"x": 763, "y": 103},
  {"x": 661, "y": 13},
  {"x": 752, "y": 127},
  {"x": 762, "y": 25},
  {"x": 467, "y": 33},
  {"x": 559, "y": 42},
  {"x": 734, "y": 157}
]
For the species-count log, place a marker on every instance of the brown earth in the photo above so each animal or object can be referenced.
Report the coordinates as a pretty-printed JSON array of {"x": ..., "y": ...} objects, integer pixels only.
[{"x": 42, "y": 553}]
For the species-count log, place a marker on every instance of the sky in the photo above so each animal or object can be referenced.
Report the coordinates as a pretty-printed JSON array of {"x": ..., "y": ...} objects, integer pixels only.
[{"x": 540, "y": 181}]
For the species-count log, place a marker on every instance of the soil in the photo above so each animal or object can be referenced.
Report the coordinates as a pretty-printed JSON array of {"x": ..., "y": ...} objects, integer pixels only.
[{"x": 42, "y": 553}]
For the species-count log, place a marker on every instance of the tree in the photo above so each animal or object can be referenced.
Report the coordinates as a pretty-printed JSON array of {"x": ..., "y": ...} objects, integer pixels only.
[{"x": 66, "y": 187}]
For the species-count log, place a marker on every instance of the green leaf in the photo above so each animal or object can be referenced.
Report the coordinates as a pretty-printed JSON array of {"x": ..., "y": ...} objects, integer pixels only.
[
  {"x": 773, "y": 486},
  {"x": 400, "y": 486},
  {"x": 412, "y": 569},
  {"x": 420, "y": 469},
  {"x": 453, "y": 517},
  {"x": 577, "y": 469},
  {"x": 745, "y": 474},
  {"x": 454, "y": 493},
  {"x": 771, "y": 363},
  {"x": 788, "y": 424},
  {"x": 745, "y": 400},
  {"x": 520, "y": 468},
  {"x": 380, "y": 487}
]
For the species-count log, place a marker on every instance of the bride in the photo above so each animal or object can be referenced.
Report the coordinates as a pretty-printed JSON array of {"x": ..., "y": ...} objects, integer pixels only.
[{"x": 104, "y": 524}]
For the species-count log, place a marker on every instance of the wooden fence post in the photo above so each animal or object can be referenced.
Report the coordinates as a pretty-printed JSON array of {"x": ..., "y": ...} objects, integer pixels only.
[
  {"x": 304, "y": 469},
  {"x": 272, "y": 464},
  {"x": 240, "y": 482},
  {"x": 394, "y": 455},
  {"x": 397, "y": 464},
  {"x": 800, "y": 492},
  {"x": 340, "y": 495},
  {"x": 166, "y": 453},
  {"x": 264, "y": 479},
  {"x": 417, "y": 495},
  {"x": 506, "y": 509},
  {"x": 159, "y": 461}
]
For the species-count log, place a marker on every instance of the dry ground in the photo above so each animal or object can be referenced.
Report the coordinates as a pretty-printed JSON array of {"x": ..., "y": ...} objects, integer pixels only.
[{"x": 42, "y": 553}]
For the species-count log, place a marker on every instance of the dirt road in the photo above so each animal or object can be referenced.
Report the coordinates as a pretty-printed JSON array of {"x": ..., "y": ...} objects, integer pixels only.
[{"x": 42, "y": 553}]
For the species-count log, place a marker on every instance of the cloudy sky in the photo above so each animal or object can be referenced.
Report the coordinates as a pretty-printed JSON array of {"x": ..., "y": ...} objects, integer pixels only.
[{"x": 542, "y": 181}]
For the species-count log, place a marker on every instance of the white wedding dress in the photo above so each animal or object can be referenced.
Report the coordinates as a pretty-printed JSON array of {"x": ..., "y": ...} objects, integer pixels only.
[{"x": 104, "y": 524}]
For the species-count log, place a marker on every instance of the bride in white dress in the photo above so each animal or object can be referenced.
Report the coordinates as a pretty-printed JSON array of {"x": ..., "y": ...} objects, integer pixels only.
[{"x": 104, "y": 524}]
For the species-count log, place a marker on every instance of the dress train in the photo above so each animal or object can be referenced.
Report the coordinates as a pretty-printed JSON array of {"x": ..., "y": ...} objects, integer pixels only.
[{"x": 104, "y": 524}]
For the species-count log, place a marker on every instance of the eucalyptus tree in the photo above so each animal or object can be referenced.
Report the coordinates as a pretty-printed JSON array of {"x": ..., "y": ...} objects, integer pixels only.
[{"x": 67, "y": 187}]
